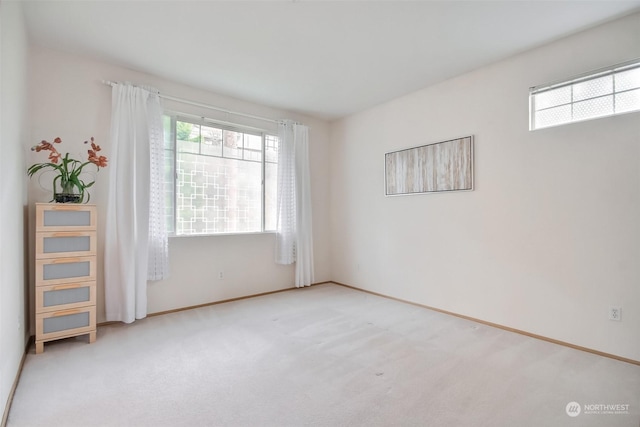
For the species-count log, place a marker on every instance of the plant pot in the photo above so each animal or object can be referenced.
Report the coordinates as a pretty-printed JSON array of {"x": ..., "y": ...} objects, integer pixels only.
[
  {"x": 67, "y": 198},
  {"x": 66, "y": 192}
]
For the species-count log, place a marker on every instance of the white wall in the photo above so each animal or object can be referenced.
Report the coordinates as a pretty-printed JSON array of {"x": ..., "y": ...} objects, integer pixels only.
[
  {"x": 67, "y": 99},
  {"x": 549, "y": 239},
  {"x": 13, "y": 104}
]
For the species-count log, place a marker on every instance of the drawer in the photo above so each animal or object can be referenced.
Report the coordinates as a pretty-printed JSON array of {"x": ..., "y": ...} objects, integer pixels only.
[
  {"x": 58, "y": 324},
  {"x": 65, "y": 243},
  {"x": 65, "y": 296},
  {"x": 53, "y": 271},
  {"x": 65, "y": 216}
]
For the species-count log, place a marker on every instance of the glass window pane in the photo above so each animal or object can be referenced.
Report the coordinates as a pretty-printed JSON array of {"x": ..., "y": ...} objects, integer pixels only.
[
  {"x": 628, "y": 101},
  {"x": 553, "y": 116},
  {"x": 593, "y": 88},
  {"x": 253, "y": 147},
  {"x": 271, "y": 148},
  {"x": 218, "y": 195},
  {"x": 606, "y": 95},
  {"x": 628, "y": 80},
  {"x": 213, "y": 177},
  {"x": 211, "y": 141},
  {"x": 590, "y": 108},
  {"x": 553, "y": 98},
  {"x": 232, "y": 145},
  {"x": 187, "y": 137}
]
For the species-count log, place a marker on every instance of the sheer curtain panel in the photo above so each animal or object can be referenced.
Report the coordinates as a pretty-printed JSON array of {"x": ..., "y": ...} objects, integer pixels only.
[
  {"x": 135, "y": 236},
  {"x": 294, "y": 241}
]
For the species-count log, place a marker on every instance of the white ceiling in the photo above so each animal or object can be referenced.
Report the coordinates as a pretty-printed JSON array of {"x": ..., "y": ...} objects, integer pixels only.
[{"x": 323, "y": 58}]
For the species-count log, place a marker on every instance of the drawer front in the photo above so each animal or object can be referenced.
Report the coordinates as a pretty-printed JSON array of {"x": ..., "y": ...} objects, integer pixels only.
[
  {"x": 66, "y": 296},
  {"x": 65, "y": 216},
  {"x": 57, "y": 324},
  {"x": 65, "y": 243},
  {"x": 53, "y": 271}
]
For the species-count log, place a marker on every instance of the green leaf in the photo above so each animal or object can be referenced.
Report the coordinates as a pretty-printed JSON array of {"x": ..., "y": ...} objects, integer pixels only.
[{"x": 38, "y": 166}]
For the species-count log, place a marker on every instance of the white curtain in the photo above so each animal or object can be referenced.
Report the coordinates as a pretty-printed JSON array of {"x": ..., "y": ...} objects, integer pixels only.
[
  {"x": 294, "y": 242},
  {"x": 135, "y": 235}
]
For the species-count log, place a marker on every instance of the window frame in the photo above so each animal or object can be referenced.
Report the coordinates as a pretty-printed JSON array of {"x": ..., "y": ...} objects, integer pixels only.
[
  {"x": 582, "y": 78},
  {"x": 175, "y": 117}
]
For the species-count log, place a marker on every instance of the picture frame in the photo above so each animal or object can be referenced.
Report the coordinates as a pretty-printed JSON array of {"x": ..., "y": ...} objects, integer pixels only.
[{"x": 445, "y": 166}]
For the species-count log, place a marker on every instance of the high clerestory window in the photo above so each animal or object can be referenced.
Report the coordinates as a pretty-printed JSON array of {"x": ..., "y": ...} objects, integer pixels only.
[
  {"x": 219, "y": 178},
  {"x": 606, "y": 92}
]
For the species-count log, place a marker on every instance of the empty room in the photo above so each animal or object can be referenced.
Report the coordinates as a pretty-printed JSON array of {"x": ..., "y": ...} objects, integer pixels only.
[{"x": 327, "y": 213}]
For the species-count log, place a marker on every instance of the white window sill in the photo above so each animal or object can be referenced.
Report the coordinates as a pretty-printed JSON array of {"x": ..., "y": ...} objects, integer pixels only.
[{"x": 249, "y": 233}]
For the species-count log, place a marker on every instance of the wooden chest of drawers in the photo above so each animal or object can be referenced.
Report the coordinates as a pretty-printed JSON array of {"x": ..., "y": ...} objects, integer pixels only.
[{"x": 65, "y": 271}]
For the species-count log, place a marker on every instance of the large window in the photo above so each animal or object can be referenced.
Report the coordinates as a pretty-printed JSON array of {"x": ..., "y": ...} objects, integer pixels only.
[
  {"x": 219, "y": 179},
  {"x": 615, "y": 90}
]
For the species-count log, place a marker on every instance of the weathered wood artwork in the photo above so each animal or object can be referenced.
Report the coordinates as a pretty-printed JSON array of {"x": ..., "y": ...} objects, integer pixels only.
[{"x": 443, "y": 166}]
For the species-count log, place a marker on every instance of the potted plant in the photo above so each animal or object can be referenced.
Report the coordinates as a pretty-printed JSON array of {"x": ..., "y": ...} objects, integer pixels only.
[{"x": 68, "y": 187}]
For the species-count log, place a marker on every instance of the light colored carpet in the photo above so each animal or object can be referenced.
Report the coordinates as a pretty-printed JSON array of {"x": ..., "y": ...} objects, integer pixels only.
[{"x": 320, "y": 356}]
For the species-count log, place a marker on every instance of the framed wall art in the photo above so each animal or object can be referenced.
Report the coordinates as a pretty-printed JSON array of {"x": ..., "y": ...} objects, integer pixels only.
[{"x": 431, "y": 168}]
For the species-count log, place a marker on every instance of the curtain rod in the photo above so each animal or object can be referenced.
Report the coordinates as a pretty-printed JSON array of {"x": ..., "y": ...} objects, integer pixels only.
[{"x": 199, "y": 104}]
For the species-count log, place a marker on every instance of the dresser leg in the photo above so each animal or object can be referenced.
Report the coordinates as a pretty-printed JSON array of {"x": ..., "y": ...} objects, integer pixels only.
[
  {"x": 39, "y": 347},
  {"x": 92, "y": 337}
]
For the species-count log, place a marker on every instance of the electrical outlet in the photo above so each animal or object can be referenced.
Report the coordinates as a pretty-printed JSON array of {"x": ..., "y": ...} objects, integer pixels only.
[
  {"x": 615, "y": 313},
  {"x": 221, "y": 275}
]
